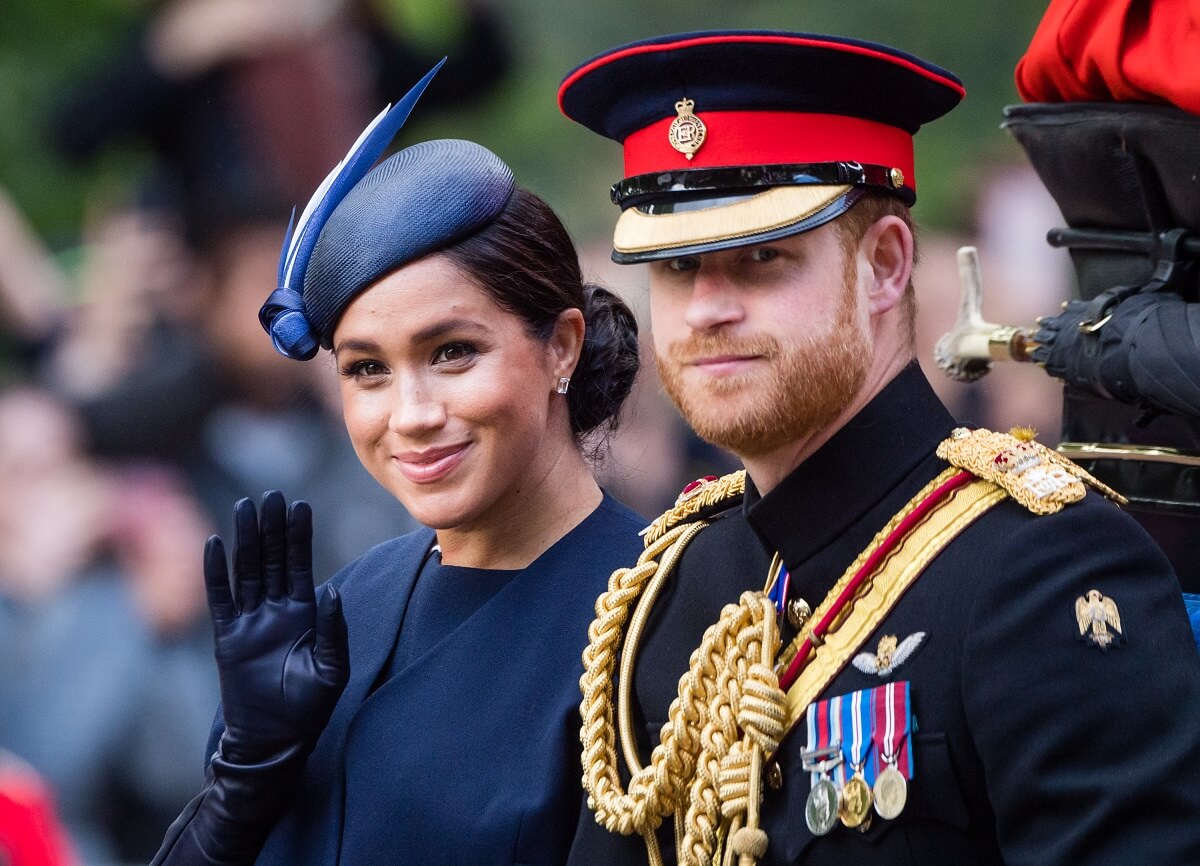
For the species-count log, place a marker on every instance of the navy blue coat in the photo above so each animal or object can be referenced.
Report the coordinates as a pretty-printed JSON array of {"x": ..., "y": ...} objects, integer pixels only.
[
  {"x": 470, "y": 754},
  {"x": 1034, "y": 746}
]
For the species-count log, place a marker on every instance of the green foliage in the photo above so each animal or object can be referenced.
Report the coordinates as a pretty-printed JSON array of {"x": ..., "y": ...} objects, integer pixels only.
[
  {"x": 48, "y": 45},
  {"x": 429, "y": 23},
  {"x": 45, "y": 48}
]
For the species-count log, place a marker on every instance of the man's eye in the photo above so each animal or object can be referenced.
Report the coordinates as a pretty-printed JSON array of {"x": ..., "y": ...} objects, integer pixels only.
[
  {"x": 764, "y": 254},
  {"x": 453, "y": 352},
  {"x": 684, "y": 263}
]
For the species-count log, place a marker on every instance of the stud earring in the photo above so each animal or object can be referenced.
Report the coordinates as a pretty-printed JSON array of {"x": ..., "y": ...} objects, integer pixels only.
[{"x": 563, "y": 384}]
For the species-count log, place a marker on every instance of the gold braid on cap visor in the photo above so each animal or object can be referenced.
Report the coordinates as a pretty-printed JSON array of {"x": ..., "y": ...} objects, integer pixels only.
[{"x": 776, "y": 208}]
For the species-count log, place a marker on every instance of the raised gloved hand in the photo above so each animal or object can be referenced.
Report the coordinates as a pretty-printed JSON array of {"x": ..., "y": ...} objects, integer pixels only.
[
  {"x": 281, "y": 655},
  {"x": 283, "y": 662}
]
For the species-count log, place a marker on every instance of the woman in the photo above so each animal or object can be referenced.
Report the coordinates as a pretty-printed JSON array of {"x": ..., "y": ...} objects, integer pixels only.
[{"x": 438, "y": 721}]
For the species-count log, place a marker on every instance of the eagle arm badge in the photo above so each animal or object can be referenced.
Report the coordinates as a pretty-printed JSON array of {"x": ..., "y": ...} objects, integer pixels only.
[{"x": 1099, "y": 619}]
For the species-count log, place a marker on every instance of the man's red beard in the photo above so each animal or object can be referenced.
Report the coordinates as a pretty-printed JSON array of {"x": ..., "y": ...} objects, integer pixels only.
[{"x": 808, "y": 383}]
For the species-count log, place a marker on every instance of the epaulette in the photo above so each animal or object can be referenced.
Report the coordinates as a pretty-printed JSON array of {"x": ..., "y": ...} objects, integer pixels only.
[
  {"x": 702, "y": 498},
  {"x": 1038, "y": 477}
]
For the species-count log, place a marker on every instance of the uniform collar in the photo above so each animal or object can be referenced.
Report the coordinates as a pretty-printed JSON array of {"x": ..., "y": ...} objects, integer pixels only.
[{"x": 852, "y": 472}]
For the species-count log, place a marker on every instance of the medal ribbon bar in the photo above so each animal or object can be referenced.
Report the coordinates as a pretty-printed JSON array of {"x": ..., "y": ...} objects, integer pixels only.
[
  {"x": 892, "y": 717},
  {"x": 856, "y": 722}
]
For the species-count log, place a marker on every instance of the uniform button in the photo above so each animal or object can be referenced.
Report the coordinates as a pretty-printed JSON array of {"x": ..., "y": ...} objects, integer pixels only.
[
  {"x": 798, "y": 613},
  {"x": 774, "y": 776}
]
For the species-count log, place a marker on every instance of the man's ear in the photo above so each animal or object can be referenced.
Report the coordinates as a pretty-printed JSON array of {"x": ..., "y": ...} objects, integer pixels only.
[
  {"x": 887, "y": 248},
  {"x": 566, "y": 343}
]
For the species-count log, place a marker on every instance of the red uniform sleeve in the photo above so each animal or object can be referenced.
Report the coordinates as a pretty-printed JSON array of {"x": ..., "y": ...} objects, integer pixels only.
[{"x": 1115, "y": 50}]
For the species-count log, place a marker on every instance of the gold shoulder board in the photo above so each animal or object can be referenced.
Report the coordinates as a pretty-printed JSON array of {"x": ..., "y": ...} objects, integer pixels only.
[
  {"x": 1038, "y": 477},
  {"x": 702, "y": 498}
]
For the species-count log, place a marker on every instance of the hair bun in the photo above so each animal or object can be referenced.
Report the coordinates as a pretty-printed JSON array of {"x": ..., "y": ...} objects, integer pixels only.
[{"x": 608, "y": 363}]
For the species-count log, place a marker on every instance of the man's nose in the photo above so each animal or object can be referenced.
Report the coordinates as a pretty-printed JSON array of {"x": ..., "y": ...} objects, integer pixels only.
[{"x": 714, "y": 302}]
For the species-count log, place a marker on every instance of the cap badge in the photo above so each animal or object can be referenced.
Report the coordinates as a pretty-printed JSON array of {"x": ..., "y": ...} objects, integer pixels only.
[
  {"x": 890, "y": 655},
  {"x": 687, "y": 130},
  {"x": 1099, "y": 620}
]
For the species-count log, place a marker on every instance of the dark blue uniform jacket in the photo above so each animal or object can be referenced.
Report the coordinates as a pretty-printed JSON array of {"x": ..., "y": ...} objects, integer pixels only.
[
  {"x": 470, "y": 753},
  {"x": 1034, "y": 745}
]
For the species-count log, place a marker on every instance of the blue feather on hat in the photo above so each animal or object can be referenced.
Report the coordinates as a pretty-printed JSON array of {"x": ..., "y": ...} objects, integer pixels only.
[{"x": 283, "y": 316}]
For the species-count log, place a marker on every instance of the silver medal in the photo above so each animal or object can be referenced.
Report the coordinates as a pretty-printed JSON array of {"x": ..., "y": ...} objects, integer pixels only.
[{"x": 821, "y": 808}]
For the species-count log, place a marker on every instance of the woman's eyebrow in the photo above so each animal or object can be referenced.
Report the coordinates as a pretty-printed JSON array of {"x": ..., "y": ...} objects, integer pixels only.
[
  {"x": 440, "y": 329},
  {"x": 352, "y": 345},
  {"x": 426, "y": 334}
]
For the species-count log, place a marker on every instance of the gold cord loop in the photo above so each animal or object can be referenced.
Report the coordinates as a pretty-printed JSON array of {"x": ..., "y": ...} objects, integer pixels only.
[{"x": 729, "y": 710}]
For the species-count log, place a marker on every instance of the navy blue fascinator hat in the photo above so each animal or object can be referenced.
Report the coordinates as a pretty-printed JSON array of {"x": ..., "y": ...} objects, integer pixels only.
[
  {"x": 361, "y": 225},
  {"x": 415, "y": 202}
]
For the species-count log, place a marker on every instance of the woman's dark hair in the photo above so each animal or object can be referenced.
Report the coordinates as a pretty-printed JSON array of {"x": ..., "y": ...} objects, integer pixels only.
[{"x": 525, "y": 260}]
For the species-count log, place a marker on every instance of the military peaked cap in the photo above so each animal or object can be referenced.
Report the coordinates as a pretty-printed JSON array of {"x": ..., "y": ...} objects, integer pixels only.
[{"x": 740, "y": 137}]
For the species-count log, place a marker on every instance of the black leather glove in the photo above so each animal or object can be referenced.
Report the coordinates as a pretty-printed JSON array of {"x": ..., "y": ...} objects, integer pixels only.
[
  {"x": 1147, "y": 352},
  {"x": 1095, "y": 361},
  {"x": 282, "y": 657},
  {"x": 283, "y": 662}
]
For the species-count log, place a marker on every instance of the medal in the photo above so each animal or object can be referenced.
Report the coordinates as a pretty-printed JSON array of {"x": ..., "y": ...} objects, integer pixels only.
[
  {"x": 891, "y": 714},
  {"x": 859, "y": 756},
  {"x": 891, "y": 793},
  {"x": 854, "y": 805},
  {"x": 821, "y": 808},
  {"x": 822, "y": 757}
]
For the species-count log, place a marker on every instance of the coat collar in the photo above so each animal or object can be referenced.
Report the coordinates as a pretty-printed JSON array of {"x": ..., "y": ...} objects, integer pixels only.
[
  {"x": 865, "y": 460},
  {"x": 374, "y": 598},
  {"x": 374, "y": 592}
]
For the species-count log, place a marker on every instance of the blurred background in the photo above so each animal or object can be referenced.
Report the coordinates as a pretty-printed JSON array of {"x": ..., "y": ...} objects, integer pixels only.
[{"x": 150, "y": 155}]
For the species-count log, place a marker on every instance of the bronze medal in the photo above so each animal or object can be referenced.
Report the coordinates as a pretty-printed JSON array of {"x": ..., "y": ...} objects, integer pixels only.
[
  {"x": 891, "y": 793},
  {"x": 821, "y": 808},
  {"x": 854, "y": 805}
]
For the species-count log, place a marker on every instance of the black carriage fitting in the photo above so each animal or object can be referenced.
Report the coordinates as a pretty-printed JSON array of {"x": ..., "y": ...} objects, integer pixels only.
[
  {"x": 1168, "y": 250},
  {"x": 1124, "y": 177}
]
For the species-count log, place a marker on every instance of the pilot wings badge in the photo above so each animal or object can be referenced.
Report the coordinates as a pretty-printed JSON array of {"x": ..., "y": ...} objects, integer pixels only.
[
  {"x": 1099, "y": 620},
  {"x": 890, "y": 654}
]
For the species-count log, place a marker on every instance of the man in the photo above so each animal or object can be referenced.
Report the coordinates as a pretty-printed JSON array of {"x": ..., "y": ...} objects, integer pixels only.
[{"x": 911, "y": 642}]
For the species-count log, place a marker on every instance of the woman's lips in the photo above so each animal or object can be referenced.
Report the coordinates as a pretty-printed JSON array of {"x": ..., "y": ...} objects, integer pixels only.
[{"x": 431, "y": 464}]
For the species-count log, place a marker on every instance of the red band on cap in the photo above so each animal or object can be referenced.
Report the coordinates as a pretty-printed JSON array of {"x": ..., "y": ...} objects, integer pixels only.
[{"x": 773, "y": 137}]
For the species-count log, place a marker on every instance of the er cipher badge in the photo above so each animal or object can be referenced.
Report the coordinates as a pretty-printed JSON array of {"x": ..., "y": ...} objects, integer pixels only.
[{"x": 687, "y": 131}]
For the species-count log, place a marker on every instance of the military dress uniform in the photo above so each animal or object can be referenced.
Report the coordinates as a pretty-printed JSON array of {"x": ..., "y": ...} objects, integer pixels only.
[
  {"x": 1033, "y": 743},
  {"x": 929, "y": 643}
]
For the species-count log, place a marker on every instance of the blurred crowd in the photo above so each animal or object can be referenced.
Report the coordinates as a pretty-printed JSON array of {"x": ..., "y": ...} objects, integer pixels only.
[{"x": 140, "y": 398}]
